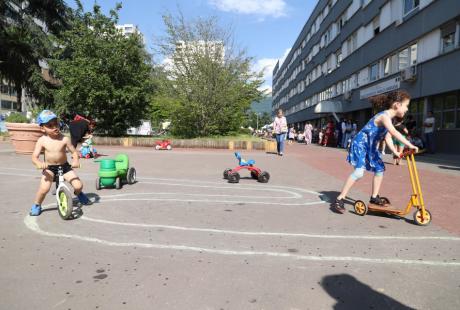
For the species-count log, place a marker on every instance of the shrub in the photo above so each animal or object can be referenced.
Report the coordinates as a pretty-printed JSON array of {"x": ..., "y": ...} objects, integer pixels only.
[{"x": 16, "y": 118}]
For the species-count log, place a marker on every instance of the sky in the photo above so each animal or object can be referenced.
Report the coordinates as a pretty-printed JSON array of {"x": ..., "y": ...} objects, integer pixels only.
[{"x": 266, "y": 29}]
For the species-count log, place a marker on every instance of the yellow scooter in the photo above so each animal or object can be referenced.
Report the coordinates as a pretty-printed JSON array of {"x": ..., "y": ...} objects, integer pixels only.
[{"x": 421, "y": 215}]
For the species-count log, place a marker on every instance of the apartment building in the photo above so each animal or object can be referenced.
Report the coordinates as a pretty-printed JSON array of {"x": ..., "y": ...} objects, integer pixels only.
[
  {"x": 8, "y": 100},
  {"x": 130, "y": 29},
  {"x": 350, "y": 50}
]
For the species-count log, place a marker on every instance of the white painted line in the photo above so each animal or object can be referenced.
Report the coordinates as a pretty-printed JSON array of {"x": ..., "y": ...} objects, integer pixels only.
[
  {"x": 234, "y": 186},
  {"x": 217, "y": 201},
  {"x": 277, "y": 234},
  {"x": 192, "y": 183},
  {"x": 32, "y": 224},
  {"x": 199, "y": 195},
  {"x": 21, "y": 174}
]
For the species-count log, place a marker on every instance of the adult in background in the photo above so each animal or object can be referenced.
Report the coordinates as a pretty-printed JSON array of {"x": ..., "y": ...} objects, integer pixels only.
[
  {"x": 280, "y": 128},
  {"x": 328, "y": 138},
  {"x": 428, "y": 125},
  {"x": 340, "y": 132},
  {"x": 411, "y": 124},
  {"x": 308, "y": 133},
  {"x": 347, "y": 133},
  {"x": 79, "y": 127}
]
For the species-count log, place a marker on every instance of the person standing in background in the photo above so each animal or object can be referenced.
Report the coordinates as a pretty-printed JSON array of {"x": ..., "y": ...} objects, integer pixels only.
[
  {"x": 428, "y": 125},
  {"x": 280, "y": 128},
  {"x": 308, "y": 133}
]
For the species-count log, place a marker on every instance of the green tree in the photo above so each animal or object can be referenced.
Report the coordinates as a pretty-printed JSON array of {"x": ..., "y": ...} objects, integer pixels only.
[
  {"x": 26, "y": 30},
  {"x": 212, "y": 79},
  {"x": 164, "y": 102},
  {"x": 103, "y": 73},
  {"x": 257, "y": 120}
]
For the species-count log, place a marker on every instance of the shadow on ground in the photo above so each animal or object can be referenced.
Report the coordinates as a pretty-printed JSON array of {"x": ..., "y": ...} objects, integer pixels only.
[
  {"x": 350, "y": 293},
  {"x": 450, "y": 168},
  {"x": 330, "y": 196}
]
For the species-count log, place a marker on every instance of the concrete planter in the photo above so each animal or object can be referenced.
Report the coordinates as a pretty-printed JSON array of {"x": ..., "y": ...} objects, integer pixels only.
[{"x": 23, "y": 136}]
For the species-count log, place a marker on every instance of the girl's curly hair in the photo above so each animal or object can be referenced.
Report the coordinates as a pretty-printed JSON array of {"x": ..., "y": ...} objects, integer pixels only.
[{"x": 386, "y": 101}]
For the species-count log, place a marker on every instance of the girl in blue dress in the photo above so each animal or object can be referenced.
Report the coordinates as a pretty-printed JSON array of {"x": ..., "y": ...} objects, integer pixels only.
[{"x": 364, "y": 153}]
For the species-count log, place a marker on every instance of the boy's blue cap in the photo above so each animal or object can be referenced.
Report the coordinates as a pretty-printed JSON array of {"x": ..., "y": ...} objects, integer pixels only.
[{"x": 45, "y": 116}]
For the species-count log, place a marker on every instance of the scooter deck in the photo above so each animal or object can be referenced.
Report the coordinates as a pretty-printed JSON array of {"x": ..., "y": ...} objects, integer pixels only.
[{"x": 385, "y": 209}]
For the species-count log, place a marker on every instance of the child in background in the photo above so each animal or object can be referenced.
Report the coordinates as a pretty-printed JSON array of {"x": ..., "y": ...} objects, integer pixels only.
[
  {"x": 401, "y": 128},
  {"x": 364, "y": 153},
  {"x": 54, "y": 144}
]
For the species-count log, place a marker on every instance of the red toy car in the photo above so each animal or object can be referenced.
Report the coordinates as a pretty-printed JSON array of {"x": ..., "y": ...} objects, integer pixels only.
[
  {"x": 233, "y": 176},
  {"x": 163, "y": 145}
]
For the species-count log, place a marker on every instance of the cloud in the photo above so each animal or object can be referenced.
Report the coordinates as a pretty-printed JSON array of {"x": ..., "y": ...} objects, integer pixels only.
[
  {"x": 274, "y": 8},
  {"x": 267, "y": 65}
]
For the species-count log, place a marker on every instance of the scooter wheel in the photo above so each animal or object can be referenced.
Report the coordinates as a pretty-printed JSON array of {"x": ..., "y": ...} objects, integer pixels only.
[
  {"x": 263, "y": 177},
  {"x": 360, "y": 207},
  {"x": 226, "y": 172},
  {"x": 234, "y": 177},
  {"x": 98, "y": 183},
  {"x": 65, "y": 203},
  {"x": 169, "y": 147},
  {"x": 118, "y": 183},
  {"x": 254, "y": 175},
  {"x": 422, "y": 220},
  {"x": 157, "y": 147},
  {"x": 131, "y": 175}
]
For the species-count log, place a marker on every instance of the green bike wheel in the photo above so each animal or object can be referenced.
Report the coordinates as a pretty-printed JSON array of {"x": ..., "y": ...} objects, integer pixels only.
[{"x": 65, "y": 205}]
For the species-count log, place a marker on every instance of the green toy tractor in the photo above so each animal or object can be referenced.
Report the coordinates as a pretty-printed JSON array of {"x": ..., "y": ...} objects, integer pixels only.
[{"x": 115, "y": 172}]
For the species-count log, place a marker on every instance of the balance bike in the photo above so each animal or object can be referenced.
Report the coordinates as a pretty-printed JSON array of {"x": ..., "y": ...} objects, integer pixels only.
[
  {"x": 421, "y": 215},
  {"x": 63, "y": 196},
  {"x": 233, "y": 176}
]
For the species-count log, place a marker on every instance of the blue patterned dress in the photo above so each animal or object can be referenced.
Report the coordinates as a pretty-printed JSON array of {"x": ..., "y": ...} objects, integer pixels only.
[{"x": 364, "y": 147}]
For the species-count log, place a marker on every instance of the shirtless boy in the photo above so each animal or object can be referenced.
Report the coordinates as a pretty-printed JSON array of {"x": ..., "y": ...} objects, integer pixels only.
[{"x": 54, "y": 144}]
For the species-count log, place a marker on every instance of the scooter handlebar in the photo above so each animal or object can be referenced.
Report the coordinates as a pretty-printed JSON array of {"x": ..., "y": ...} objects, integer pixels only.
[{"x": 407, "y": 153}]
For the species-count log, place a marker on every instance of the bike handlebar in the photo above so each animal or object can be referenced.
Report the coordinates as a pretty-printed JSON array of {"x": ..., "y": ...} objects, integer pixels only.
[{"x": 38, "y": 168}]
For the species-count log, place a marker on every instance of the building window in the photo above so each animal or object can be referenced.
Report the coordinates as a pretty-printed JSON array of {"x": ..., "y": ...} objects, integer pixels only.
[
  {"x": 338, "y": 55},
  {"x": 410, "y": 5},
  {"x": 446, "y": 110},
  {"x": 352, "y": 43},
  {"x": 341, "y": 22},
  {"x": 376, "y": 25},
  {"x": 413, "y": 54},
  {"x": 374, "y": 72},
  {"x": 387, "y": 66},
  {"x": 8, "y": 105},
  {"x": 448, "y": 41},
  {"x": 403, "y": 58}
]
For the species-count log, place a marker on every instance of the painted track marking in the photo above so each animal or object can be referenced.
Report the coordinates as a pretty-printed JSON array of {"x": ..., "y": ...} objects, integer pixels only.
[
  {"x": 278, "y": 234},
  {"x": 32, "y": 224}
]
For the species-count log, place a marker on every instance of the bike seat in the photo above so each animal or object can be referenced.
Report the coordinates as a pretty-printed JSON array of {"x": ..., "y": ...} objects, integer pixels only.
[{"x": 243, "y": 162}]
